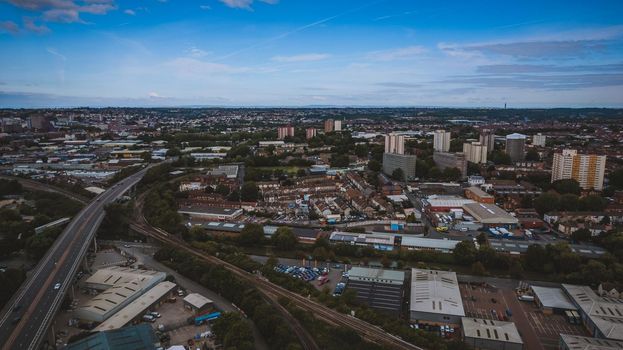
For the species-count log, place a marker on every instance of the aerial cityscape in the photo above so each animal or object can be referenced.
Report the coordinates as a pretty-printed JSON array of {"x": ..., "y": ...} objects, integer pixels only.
[{"x": 240, "y": 174}]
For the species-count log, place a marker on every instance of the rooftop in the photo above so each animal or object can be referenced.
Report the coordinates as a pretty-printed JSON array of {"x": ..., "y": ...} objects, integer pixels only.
[
  {"x": 443, "y": 244},
  {"x": 447, "y": 201},
  {"x": 553, "y": 298},
  {"x": 605, "y": 312},
  {"x": 110, "y": 276},
  {"x": 129, "y": 338},
  {"x": 197, "y": 300},
  {"x": 490, "y": 329},
  {"x": 376, "y": 275},
  {"x": 489, "y": 213},
  {"x": 435, "y": 291},
  {"x": 137, "y": 307},
  {"x": 576, "y": 342}
]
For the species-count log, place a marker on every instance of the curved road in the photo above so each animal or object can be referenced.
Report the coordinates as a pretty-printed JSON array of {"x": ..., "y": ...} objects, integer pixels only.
[{"x": 27, "y": 316}]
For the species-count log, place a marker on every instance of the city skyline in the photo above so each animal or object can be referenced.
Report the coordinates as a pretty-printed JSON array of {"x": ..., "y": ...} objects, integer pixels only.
[{"x": 97, "y": 53}]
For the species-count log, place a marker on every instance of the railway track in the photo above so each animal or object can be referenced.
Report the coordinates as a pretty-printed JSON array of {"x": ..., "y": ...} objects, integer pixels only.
[{"x": 367, "y": 331}]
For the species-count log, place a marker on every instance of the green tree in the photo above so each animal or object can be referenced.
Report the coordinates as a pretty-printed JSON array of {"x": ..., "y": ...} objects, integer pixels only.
[
  {"x": 249, "y": 192},
  {"x": 581, "y": 235},
  {"x": 284, "y": 238},
  {"x": 464, "y": 253},
  {"x": 251, "y": 234},
  {"x": 569, "y": 202},
  {"x": 616, "y": 179},
  {"x": 592, "y": 203},
  {"x": 567, "y": 186},
  {"x": 478, "y": 269},
  {"x": 374, "y": 165},
  {"x": 398, "y": 175},
  {"x": 547, "y": 202},
  {"x": 532, "y": 156}
]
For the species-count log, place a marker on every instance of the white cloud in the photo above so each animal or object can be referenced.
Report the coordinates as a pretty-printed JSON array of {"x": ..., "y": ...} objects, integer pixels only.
[
  {"x": 65, "y": 11},
  {"x": 403, "y": 53},
  {"x": 301, "y": 58},
  {"x": 244, "y": 4},
  {"x": 54, "y": 52},
  {"x": 197, "y": 52},
  {"x": 130, "y": 12},
  {"x": 9, "y": 27},
  {"x": 30, "y": 25},
  {"x": 205, "y": 7},
  {"x": 194, "y": 67}
]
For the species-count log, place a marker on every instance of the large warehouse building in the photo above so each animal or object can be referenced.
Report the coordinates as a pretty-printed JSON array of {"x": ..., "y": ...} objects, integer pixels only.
[
  {"x": 490, "y": 215},
  {"x": 380, "y": 289},
  {"x": 576, "y": 342},
  {"x": 435, "y": 298},
  {"x": 552, "y": 300},
  {"x": 489, "y": 334},
  {"x": 602, "y": 316}
]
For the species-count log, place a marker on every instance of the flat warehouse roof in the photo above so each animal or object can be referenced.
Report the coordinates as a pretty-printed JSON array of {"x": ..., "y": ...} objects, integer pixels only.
[
  {"x": 135, "y": 308},
  {"x": 605, "y": 312},
  {"x": 489, "y": 213},
  {"x": 553, "y": 298},
  {"x": 197, "y": 300},
  {"x": 576, "y": 342},
  {"x": 376, "y": 275},
  {"x": 115, "y": 275},
  {"x": 491, "y": 330},
  {"x": 435, "y": 291}
]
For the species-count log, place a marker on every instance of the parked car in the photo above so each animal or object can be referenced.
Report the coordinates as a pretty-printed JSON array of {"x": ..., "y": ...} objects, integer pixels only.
[{"x": 57, "y": 286}]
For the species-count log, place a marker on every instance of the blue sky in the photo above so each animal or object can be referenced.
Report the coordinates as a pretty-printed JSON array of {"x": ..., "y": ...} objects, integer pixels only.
[{"x": 311, "y": 52}]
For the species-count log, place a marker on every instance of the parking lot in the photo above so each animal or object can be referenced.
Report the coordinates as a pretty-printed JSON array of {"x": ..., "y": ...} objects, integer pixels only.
[{"x": 537, "y": 330}]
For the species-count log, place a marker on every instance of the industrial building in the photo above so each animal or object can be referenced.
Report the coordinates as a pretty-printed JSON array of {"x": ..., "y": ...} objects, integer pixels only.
[
  {"x": 443, "y": 203},
  {"x": 380, "y": 289},
  {"x": 136, "y": 309},
  {"x": 210, "y": 213},
  {"x": 479, "y": 195},
  {"x": 552, "y": 300},
  {"x": 197, "y": 303},
  {"x": 435, "y": 298},
  {"x": 405, "y": 162},
  {"x": 121, "y": 287},
  {"x": 491, "y": 334},
  {"x": 420, "y": 243},
  {"x": 602, "y": 316},
  {"x": 129, "y": 338},
  {"x": 105, "y": 278},
  {"x": 576, "y": 342},
  {"x": 490, "y": 215}
]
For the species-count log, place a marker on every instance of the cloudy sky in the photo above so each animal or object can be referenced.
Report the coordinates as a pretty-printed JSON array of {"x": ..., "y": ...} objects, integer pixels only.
[{"x": 311, "y": 52}]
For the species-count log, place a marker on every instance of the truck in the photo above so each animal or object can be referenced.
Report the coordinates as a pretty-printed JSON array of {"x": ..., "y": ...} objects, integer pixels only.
[{"x": 526, "y": 297}]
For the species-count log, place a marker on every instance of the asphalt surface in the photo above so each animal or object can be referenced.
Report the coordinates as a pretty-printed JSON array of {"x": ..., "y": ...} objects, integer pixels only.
[{"x": 27, "y": 316}]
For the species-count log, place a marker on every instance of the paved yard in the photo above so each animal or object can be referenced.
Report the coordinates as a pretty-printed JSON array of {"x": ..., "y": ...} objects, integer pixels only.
[{"x": 537, "y": 330}]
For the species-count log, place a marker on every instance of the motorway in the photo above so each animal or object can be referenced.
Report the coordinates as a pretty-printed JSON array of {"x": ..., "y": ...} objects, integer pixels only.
[{"x": 26, "y": 317}]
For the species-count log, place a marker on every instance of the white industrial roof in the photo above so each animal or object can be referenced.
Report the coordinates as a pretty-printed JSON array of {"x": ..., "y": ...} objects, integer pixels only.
[
  {"x": 489, "y": 213},
  {"x": 516, "y": 136},
  {"x": 435, "y": 291},
  {"x": 430, "y": 243},
  {"x": 135, "y": 308},
  {"x": 376, "y": 275},
  {"x": 447, "y": 201},
  {"x": 553, "y": 298},
  {"x": 111, "y": 276},
  {"x": 605, "y": 312},
  {"x": 576, "y": 342},
  {"x": 491, "y": 330},
  {"x": 197, "y": 300}
]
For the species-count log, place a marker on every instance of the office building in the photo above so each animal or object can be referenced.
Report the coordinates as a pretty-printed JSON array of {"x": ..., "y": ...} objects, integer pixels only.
[
  {"x": 516, "y": 147},
  {"x": 394, "y": 143},
  {"x": 602, "y": 316},
  {"x": 328, "y": 125},
  {"x": 539, "y": 140},
  {"x": 475, "y": 152},
  {"x": 491, "y": 334},
  {"x": 586, "y": 169},
  {"x": 406, "y": 162},
  {"x": 487, "y": 138},
  {"x": 435, "y": 298},
  {"x": 380, "y": 289},
  {"x": 451, "y": 160},
  {"x": 285, "y": 131},
  {"x": 337, "y": 125},
  {"x": 310, "y": 133},
  {"x": 578, "y": 342},
  {"x": 441, "y": 141}
]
